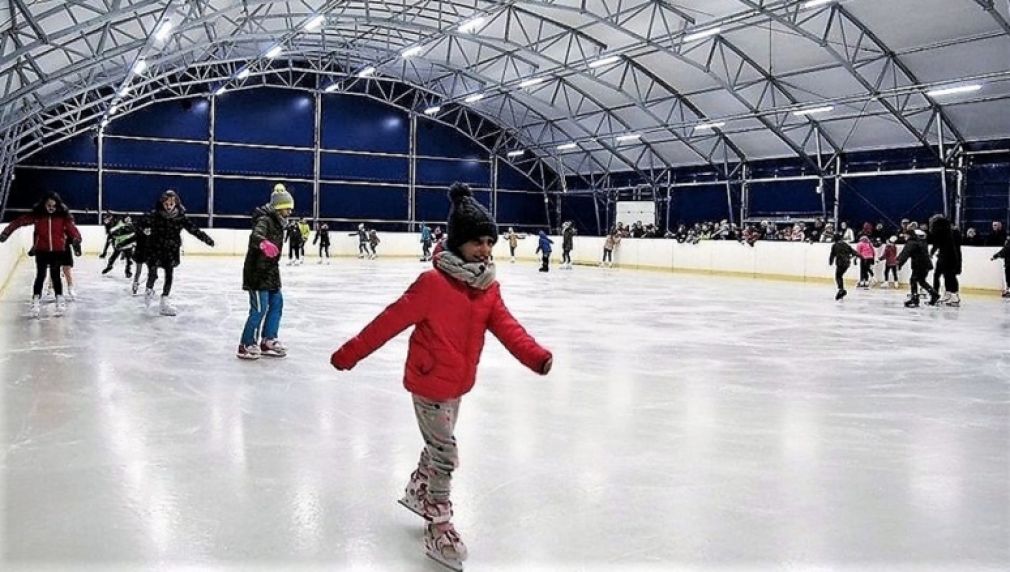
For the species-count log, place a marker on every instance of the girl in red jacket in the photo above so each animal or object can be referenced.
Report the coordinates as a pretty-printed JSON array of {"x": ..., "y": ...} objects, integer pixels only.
[
  {"x": 451, "y": 307},
  {"x": 54, "y": 232}
]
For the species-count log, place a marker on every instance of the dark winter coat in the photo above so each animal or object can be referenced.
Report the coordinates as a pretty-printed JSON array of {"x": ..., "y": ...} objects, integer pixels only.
[
  {"x": 322, "y": 237},
  {"x": 163, "y": 244},
  {"x": 996, "y": 238},
  {"x": 545, "y": 243},
  {"x": 568, "y": 238},
  {"x": 947, "y": 242},
  {"x": 51, "y": 231},
  {"x": 450, "y": 320},
  {"x": 258, "y": 271},
  {"x": 842, "y": 253},
  {"x": 1004, "y": 252},
  {"x": 295, "y": 235},
  {"x": 916, "y": 251}
]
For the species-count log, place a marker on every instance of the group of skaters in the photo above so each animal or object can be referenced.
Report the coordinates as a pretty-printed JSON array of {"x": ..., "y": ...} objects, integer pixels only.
[{"x": 297, "y": 233}]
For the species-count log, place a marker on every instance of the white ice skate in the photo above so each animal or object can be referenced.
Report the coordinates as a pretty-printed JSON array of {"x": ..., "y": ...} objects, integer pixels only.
[
  {"x": 512, "y": 260},
  {"x": 148, "y": 297},
  {"x": 248, "y": 352},
  {"x": 320, "y": 261},
  {"x": 954, "y": 301},
  {"x": 134, "y": 287},
  {"x": 273, "y": 348},
  {"x": 36, "y": 307},
  {"x": 61, "y": 306},
  {"x": 443, "y": 545},
  {"x": 945, "y": 299},
  {"x": 167, "y": 309},
  {"x": 415, "y": 493}
]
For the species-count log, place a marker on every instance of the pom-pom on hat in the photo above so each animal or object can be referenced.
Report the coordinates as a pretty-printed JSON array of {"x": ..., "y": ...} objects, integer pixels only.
[
  {"x": 281, "y": 198},
  {"x": 468, "y": 219}
]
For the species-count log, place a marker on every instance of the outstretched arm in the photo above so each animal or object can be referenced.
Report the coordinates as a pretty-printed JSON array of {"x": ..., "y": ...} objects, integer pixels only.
[
  {"x": 23, "y": 220},
  {"x": 517, "y": 341},
  {"x": 192, "y": 229},
  {"x": 410, "y": 309}
]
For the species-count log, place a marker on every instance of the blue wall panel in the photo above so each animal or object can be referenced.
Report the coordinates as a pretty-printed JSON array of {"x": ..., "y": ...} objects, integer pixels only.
[
  {"x": 263, "y": 162},
  {"x": 364, "y": 168},
  {"x": 183, "y": 119},
  {"x": 431, "y": 206},
  {"x": 437, "y": 140},
  {"x": 522, "y": 209},
  {"x": 582, "y": 211},
  {"x": 363, "y": 124},
  {"x": 238, "y": 197},
  {"x": 79, "y": 151},
  {"x": 698, "y": 204},
  {"x": 357, "y": 201},
  {"x": 78, "y": 189},
  {"x": 132, "y": 192},
  {"x": 792, "y": 197},
  {"x": 155, "y": 156},
  {"x": 266, "y": 116},
  {"x": 447, "y": 172},
  {"x": 889, "y": 199},
  {"x": 510, "y": 178}
]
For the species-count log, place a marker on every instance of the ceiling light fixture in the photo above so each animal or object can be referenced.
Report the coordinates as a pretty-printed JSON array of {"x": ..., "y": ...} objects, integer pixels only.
[
  {"x": 567, "y": 147},
  {"x": 367, "y": 71},
  {"x": 629, "y": 137},
  {"x": 954, "y": 90},
  {"x": 702, "y": 35},
  {"x": 704, "y": 126},
  {"x": 139, "y": 66},
  {"x": 471, "y": 25},
  {"x": 315, "y": 23},
  {"x": 164, "y": 30},
  {"x": 516, "y": 153},
  {"x": 532, "y": 82},
  {"x": 221, "y": 90},
  {"x": 274, "y": 52},
  {"x": 474, "y": 98},
  {"x": 432, "y": 110},
  {"x": 605, "y": 61},
  {"x": 243, "y": 74},
  {"x": 411, "y": 52},
  {"x": 813, "y": 111}
]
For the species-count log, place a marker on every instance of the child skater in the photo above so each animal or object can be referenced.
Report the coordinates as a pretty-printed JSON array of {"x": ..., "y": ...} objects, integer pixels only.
[
  {"x": 1004, "y": 253},
  {"x": 323, "y": 238},
  {"x": 426, "y": 242},
  {"x": 946, "y": 240},
  {"x": 142, "y": 233},
  {"x": 167, "y": 221},
  {"x": 54, "y": 230},
  {"x": 124, "y": 240},
  {"x": 866, "y": 256},
  {"x": 544, "y": 248},
  {"x": 450, "y": 306},
  {"x": 294, "y": 243},
  {"x": 373, "y": 241},
  {"x": 841, "y": 256},
  {"x": 890, "y": 260},
  {"x": 513, "y": 239},
  {"x": 916, "y": 251},
  {"x": 261, "y": 277},
  {"x": 362, "y": 235},
  {"x": 568, "y": 233},
  {"x": 612, "y": 242},
  {"x": 303, "y": 227}
]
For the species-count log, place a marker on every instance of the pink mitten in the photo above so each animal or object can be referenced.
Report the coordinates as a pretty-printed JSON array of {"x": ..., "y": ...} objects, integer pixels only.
[{"x": 269, "y": 249}]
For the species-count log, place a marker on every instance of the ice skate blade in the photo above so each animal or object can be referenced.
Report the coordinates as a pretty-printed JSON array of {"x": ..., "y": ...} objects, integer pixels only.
[
  {"x": 450, "y": 564},
  {"x": 407, "y": 506}
]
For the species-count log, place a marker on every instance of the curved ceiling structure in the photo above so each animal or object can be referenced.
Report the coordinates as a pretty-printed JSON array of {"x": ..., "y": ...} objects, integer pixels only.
[{"x": 591, "y": 86}]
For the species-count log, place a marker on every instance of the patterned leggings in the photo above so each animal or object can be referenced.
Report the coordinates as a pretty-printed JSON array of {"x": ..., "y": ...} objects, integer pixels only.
[{"x": 437, "y": 420}]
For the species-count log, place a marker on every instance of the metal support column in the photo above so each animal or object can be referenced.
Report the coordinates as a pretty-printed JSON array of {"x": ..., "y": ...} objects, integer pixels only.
[
  {"x": 101, "y": 173},
  {"x": 494, "y": 185},
  {"x": 943, "y": 170},
  {"x": 210, "y": 162},
  {"x": 838, "y": 192},
  {"x": 412, "y": 175},
  {"x": 962, "y": 181},
  {"x": 316, "y": 155},
  {"x": 744, "y": 195}
]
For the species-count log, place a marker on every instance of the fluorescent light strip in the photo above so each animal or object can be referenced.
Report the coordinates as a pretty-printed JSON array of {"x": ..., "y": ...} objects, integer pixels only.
[
  {"x": 410, "y": 52},
  {"x": 367, "y": 71},
  {"x": 139, "y": 66},
  {"x": 105, "y": 123},
  {"x": 243, "y": 74},
  {"x": 702, "y": 35},
  {"x": 704, "y": 126},
  {"x": 274, "y": 52},
  {"x": 517, "y": 153},
  {"x": 315, "y": 23},
  {"x": 604, "y": 61},
  {"x": 113, "y": 109},
  {"x": 331, "y": 88},
  {"x": 630, "y": 137},
  {"x": 567, "y": 147},
  {"x": 471, "y": 26},
  {"x": 221, "y": 90},
  {"x": 532, "y": 82},
  {"x": 125, "y": 91},
  {"x": 474, "y": 98},
  {"x": 813, "y": 3},
  {"x": 432, "y": 110},
  {"x": 164, "y": 31},
  {"x": 954, "y": 90},
  {"x": 813, "y": 111}
]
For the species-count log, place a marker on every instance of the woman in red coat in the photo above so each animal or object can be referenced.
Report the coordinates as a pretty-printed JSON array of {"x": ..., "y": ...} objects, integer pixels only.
[
  {"x": 54, "y": 231},
  {"x": 450, "y": 308}
]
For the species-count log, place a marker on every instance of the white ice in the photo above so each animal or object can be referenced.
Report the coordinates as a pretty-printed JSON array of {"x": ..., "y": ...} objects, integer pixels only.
[{"x": 689, "y": 423}]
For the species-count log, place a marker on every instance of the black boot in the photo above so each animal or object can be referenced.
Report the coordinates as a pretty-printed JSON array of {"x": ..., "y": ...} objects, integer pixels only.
[
  {"x": 912, "y": 302},
  {"x": 107, "y": 270},
  {"x": 933, "y": 297},
  {"x": 841, "y": 294}
]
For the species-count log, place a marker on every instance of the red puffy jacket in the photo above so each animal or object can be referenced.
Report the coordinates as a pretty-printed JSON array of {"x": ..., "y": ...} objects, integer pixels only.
[
  {"x": 450, "y": 319},
  {"x": 51, "y": 232}
]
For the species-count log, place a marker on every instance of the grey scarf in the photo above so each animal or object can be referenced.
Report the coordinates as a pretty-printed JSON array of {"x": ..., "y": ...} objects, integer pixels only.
[{"x": 480, "y": 275}]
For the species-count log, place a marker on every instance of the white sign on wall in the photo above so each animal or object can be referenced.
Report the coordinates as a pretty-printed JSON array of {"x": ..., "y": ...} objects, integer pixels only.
[{"x": 629, "y": 212}]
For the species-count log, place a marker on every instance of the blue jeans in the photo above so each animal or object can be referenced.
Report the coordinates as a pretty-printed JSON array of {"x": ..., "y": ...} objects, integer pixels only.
[{"x": 269, "y": 303}]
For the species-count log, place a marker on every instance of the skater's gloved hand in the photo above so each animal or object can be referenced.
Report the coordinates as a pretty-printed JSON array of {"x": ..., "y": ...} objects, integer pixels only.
[
  {"x": 77, "y": 248},
  {"x": 3, "y": 238},
  {"x": 210, "y": 242},
  {"x": 547, "y": 366},
  {"x": 269, "y": 249}
]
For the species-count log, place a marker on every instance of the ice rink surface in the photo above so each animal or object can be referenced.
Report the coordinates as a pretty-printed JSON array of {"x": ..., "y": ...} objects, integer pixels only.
[{"x": 690, "y": 422}]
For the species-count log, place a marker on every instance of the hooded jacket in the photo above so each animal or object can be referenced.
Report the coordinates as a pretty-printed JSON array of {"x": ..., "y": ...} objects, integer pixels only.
[
  {"x": 449, "y": 319},
  {"x": 51, "y": 231},
  {"x": 165, "y": 239},
  {"x": 842, "y": 253},
  {"x": 915, "y": 250},
  {"x": 545, "y": 243},
  {"x": 568, "y": 238},
  {"x": 258, "y": 271}
]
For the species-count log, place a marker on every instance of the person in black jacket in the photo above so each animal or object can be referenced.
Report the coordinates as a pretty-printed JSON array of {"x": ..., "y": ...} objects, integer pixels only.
[
  {"x": 261, "y": 277},
  {"x": 295, "y": 241},
  {"x": 841, "y": 256},
  {"x": 915, "y": 250},
  {"x": 108, "y": 221},
  {"x": 568, "y": 233},
  {"x": 323, "y": 238},
  {"x": 947, "y": 246},
  {"x": 165, "y": 225},
  {"x": 1004, "y": 253},
  {"x": 998, "y": 235}
]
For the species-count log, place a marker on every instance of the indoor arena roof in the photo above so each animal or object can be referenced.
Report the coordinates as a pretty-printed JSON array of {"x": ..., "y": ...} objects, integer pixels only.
[{"x": 598, "y": 85}]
